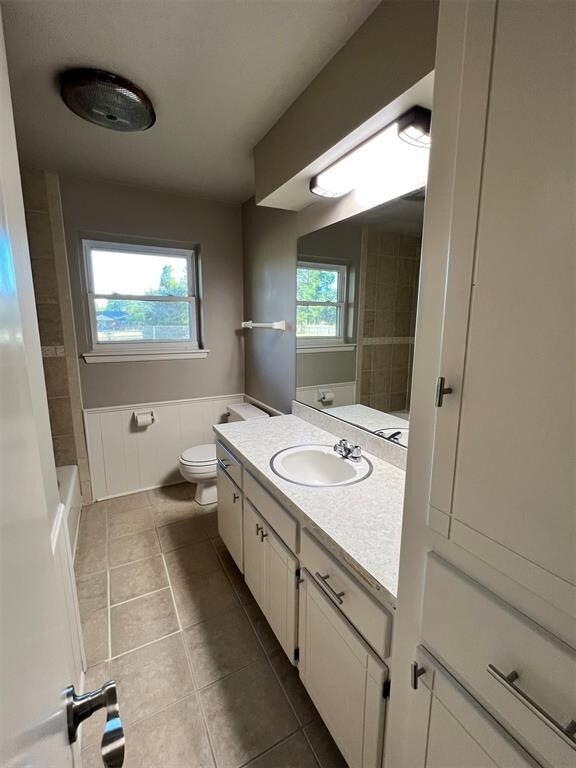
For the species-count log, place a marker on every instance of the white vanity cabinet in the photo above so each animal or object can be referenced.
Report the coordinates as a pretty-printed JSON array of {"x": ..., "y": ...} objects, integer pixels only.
[
  {"x": 345, "y": 679},
  {"x": 508, "y": 339}
]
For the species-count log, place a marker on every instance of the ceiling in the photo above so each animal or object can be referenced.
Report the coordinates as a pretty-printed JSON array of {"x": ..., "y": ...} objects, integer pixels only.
[{"x": 219, "y": 73}]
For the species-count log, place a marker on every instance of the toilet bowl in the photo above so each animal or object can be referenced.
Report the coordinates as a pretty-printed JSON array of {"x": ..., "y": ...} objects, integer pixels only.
[{"x": 198, "y": 464}]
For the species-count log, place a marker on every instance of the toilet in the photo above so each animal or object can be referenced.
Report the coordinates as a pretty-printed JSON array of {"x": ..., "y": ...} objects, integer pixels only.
[{"x": 198, "y": 464}]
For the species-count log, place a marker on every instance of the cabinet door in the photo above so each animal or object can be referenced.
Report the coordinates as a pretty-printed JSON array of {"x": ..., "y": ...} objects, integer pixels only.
[
  {"x": 230, "y": 517},
  {"x": 343, "y": 677},
  {"x": 255, "y": 555},
  {"x": 512, "y": 496},
  {"x": 281, "y": 605},
  {"x": 459, "y": 733}
]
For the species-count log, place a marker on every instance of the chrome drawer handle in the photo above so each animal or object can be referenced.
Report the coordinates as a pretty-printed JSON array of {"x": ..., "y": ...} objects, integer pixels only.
[
  {"x": 566, "y": 732},
  {"x": 331, "y": 591},
  {"x": 224, "y": 464}
]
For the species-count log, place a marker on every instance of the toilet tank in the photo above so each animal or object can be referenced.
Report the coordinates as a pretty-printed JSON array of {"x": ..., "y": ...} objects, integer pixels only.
[{"x": 245, "y": 411}]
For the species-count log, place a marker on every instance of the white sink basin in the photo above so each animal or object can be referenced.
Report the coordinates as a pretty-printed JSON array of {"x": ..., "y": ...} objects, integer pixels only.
[{"x": 319, "y": 466}]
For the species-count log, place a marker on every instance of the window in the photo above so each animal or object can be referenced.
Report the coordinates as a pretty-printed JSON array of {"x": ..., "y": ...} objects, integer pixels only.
[
  {"x": 320, "y": 303},
  {"x": 141, "y": 299}
]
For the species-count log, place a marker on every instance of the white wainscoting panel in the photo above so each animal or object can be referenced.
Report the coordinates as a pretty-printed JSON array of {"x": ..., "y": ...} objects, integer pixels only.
[
  {"x": 125, "y": 459},
  {"x": 344, "y": 394}
]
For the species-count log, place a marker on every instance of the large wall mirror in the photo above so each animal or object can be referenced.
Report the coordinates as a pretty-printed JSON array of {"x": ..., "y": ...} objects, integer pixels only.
[{"x": 357, "y": 293}]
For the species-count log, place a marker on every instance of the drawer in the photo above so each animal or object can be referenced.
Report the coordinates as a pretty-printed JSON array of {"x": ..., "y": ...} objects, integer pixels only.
[
  {"x": 370, "y": 618},
  {"x": 484, "y": 640},
  {"x": 281, "y": 521},
  {"x": 230, "y": 463}
]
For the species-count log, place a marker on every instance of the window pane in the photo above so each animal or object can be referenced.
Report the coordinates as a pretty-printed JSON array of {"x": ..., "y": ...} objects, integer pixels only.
[
  {"x": 317, "y": 284},
  {"x": 317, "y": 321},
  {"x": 122, "y": 321},
  {"x": 139, "y": 274}
]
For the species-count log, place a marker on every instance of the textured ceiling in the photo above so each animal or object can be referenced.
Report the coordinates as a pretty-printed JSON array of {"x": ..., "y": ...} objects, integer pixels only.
[{"x": 219, "y": 72}]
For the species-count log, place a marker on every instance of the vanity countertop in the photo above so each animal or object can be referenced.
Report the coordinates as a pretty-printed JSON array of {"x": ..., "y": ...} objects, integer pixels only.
[{"x": 362, "y": 521}]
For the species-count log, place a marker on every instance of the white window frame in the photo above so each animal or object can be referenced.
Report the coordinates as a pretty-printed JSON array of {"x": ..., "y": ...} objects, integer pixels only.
[
  {"x": 107, "y": 351},
  {"x": 341, "y": 304}
]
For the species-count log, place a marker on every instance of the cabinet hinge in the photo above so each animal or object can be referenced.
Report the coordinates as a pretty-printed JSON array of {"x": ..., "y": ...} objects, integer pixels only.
[
  {"x": 296, "y": 654},
  {"x": 386, "y": 689}
]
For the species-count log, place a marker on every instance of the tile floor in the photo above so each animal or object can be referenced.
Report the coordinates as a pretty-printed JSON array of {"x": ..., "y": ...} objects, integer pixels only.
[{"x": 202, "y": 681}]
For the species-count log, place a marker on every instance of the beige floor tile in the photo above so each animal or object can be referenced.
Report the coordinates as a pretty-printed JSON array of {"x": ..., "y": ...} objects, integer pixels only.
[
  {"x": 93, "y": 727},
  {"x": 173, "y": 738},
  {"x": 170, "y": 495},
  {"x": 130, "y": 521},
  {"x": 221, "y": 645},
  {"x": 92, "y": 756},
  {"x": 233, "y": 572},
  {"x": 246, "y": 713},
  {"x": 263, "y": 629},
  {"x": 142, "y": 620},
  {"x": 289, "y": 678},
  {"x": 203, "y": 596},
  {"x": 93, "y": 520},
  {"x": 211, "y": 523},
  {"x": 190, "y": 561},
  {"x": 134, "y": 579},
  {"x": 183, "y": 533},
  {"x": 175, "y": 512},
  {"x": 295, "y": 752},
  {"x": 92, "y": 592},
  {"x": 95, "y": 634},
  {"x": 91, "y": 558},
  {"x": 128, "y": 503},
  {"x": 151, "y": 678},
  {"x": 135, "y": 546},
  {"x": 323, "y": 746}
]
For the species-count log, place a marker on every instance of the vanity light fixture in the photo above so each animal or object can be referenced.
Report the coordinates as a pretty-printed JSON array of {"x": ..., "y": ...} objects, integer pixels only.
[{"x": 395, "y": 160}]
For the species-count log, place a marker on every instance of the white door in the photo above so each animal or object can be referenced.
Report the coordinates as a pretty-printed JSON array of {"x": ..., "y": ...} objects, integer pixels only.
[
  {"x": 254, "y": 554},
  {"x": 35, "y": 661},
  {"x": 343, "y": 677},
  {"x": 230, "y": 517},
  {"x": 281, "y": 606}
]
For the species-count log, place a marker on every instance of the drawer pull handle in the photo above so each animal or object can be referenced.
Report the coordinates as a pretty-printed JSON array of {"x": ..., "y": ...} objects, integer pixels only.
[
  {"x": 263, "y": 535},
  {"x": 331, "y": 591},
  {"x": 224, "y": 464},
  {"x": 258, "y": 529},
  {"x": 566, "y": 732},
  {"x": 416, "y": 671},
  {"x": 235, "y": 497}
]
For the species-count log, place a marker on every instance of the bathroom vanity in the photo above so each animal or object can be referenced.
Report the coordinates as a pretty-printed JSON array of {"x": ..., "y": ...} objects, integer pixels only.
[{"x": 322, "y": 564}]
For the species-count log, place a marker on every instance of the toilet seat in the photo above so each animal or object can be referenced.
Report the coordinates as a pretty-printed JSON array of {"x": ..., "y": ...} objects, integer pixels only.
[{"x": 201, "y": 456}]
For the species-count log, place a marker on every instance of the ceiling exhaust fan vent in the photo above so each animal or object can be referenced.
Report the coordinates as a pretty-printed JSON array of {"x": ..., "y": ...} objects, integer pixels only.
[{"x": 106, "y": 99}]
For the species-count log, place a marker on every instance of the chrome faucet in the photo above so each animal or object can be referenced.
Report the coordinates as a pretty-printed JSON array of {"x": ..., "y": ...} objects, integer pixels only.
[{"x": 348, "y": 450}]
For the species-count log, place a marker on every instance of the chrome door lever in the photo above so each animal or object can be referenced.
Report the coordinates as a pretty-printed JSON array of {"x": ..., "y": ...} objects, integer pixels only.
[{"x": 80, "y": 707}]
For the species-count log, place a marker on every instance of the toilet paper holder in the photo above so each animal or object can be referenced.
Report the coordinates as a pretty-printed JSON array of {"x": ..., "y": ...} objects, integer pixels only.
[{"x": 143, "y": 419}]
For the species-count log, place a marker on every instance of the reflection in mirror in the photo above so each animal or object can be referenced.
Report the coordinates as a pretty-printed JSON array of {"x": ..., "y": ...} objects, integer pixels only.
[{"x": 357, "y": 290}]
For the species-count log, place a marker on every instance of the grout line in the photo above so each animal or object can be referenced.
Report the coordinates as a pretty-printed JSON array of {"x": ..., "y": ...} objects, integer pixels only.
[
  {"x": 137, "y": 560},
  {"x": 144, "y": 594},
  {"x": 108, "y": 595},
  {"x": 144, "y": 645}
]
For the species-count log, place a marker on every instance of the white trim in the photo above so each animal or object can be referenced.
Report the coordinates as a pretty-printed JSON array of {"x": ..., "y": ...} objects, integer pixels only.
[
  {"x": 126, "y": 356},
  {"x": 159, "y": 403},
  {"x": 59, "y": 521},
  {"x": 264, "y": 406},
  {"x": 309, "y": 348}
]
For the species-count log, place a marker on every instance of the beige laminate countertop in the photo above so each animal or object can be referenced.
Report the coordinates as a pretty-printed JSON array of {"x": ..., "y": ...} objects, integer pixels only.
[{"x": 363, "y": 522}]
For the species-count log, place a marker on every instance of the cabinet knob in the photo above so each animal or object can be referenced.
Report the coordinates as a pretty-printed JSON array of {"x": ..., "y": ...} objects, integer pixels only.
[{"x": 415, "y": 672}]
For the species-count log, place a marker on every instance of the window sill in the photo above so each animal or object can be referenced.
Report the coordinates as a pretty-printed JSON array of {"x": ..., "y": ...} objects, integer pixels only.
[
  {"x": 139, "y": 357},
  {"x": 309, "y": 348}
]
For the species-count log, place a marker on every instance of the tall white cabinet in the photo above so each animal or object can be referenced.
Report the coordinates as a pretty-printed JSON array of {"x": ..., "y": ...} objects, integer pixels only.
[{"x": 488, "y": 570}]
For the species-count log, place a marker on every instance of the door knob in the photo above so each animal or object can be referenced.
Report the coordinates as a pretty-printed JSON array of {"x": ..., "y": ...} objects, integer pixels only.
[{"x": 80, "y": 707}]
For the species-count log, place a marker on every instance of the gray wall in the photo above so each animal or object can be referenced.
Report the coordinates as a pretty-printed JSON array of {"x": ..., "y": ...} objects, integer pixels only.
[
  {"x": 325, "y": 368},
  {"x": 389, "y": 53},
  {"x": 269, "y": 247},
  {"x": 91, "y": 206}
]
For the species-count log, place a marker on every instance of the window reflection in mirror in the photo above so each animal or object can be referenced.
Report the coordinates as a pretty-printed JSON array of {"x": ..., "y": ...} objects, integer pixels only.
[{"x": 357, "y": 290}]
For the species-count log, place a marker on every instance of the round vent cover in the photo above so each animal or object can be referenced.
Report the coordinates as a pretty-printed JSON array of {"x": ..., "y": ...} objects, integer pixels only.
[{"x": 106, "y": 99}]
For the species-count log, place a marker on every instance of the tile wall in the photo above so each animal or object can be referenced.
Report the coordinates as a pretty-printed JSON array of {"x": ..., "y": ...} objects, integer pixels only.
[
  {"x": 389, "y": 288},
  {"x": 55, "y": 321}
]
